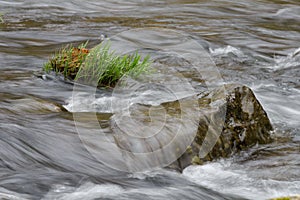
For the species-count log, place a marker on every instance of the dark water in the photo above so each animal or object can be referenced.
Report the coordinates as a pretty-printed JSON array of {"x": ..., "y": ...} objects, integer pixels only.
[{"x": 256, "y": 43}]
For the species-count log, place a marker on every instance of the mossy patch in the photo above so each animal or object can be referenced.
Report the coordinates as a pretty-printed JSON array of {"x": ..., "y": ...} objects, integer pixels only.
[
  {"x": 288, "y": 198},
  {"x": 67, "y": 60}
]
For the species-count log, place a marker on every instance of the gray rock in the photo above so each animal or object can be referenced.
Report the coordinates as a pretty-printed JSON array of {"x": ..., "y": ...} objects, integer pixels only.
[
  {"x": 195, "y": 129},
  {"x": 231, "y": 120}
]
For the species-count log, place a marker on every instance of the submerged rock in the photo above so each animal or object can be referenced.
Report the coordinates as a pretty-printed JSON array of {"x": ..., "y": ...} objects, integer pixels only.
[
  {"x": 178, "y": 133},
  {"x": 215, "y": 125},
  {"x": 231, "y": 120}
]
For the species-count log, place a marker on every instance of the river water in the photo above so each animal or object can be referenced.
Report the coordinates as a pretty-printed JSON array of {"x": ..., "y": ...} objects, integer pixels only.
[{"x": 256, "y": 43}]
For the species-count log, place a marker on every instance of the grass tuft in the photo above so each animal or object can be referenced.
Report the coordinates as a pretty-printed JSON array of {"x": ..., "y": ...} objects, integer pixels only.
[{"x": 99, "y": 66}]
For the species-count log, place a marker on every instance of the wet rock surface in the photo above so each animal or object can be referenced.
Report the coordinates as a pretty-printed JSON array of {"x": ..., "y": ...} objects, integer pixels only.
[
  {"x": 195, "y": 129},
  {"x": 231, "y": 120}
]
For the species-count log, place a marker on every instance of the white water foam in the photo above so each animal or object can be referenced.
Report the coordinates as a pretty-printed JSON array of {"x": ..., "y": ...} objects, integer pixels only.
[
  {"x": 87, "y": 191},
  {"x": 226, "y": 178},
  {"x": 224, "y": 51},
  {"x": 289, "y": 61},
  {"x": 85, "y": 102}
]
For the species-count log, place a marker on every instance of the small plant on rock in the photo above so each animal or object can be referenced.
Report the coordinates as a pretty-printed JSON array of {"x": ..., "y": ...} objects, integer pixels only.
[{"x": 98, "y": 65}]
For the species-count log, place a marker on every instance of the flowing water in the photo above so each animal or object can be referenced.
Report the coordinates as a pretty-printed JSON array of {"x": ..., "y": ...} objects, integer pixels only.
[{"x": 256, "y": 43}]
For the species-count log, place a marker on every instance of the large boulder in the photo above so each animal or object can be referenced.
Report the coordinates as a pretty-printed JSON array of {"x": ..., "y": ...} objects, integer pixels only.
[
  {"x": 191, "y": 130},
  {"x": 231, "y": 120}
]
